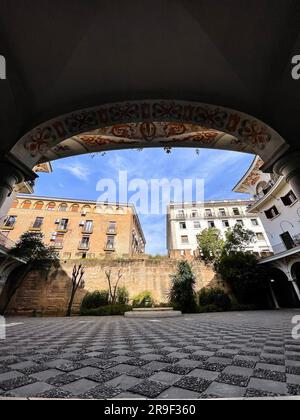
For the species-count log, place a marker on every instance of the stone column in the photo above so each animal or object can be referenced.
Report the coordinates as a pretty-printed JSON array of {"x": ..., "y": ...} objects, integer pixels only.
[
  {"x": 12, "y": 172},
  {"x": 296, "y": 289},
  {"x": 274, "y": 297},
  {"x": 289, "y": 167}
]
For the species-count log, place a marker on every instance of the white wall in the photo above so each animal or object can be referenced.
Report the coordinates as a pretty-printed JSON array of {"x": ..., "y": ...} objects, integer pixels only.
[
  {"x": 176, "y": 232},
  {"x": 287, "y": 221}
]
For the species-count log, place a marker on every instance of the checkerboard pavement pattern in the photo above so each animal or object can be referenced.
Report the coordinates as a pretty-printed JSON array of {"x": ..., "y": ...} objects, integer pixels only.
[{"x": 224, "y": 355}]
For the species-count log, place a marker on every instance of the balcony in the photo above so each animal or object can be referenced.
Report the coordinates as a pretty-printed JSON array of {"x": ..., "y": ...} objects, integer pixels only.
[
  {"x": 57, "y": 245},
  {"x": 6, "y": 243},
  {"x": 109, "y": 247},
  {"x": 8, "y": 227},
  {"x": 62, "y": 229},
  {"x": 265, "y": 191},
  {"x": 35, "y": 228},
  {"x": 212, "y": 215},
  {"x": 83, "y": 246},
  {"x": 111, "y": 231},
  {"x": 87, "y": 230},
  {"x": 280, "y": 248}
]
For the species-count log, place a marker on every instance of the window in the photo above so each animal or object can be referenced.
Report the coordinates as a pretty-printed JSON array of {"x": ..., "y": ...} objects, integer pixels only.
[
  {"x": 208, "y": 213},
  {"x": 39, "y": 205},
  {"x": 225, "y": 223},
  {"x": 10, "y": 221},
  {"x": 184, "y": 239},
  {"x": 261, "y": 186},
  {"x": 211, "y": 224},
  {"x": 88, "y": 226},
  {"x": 112, "y": 228},
  {"x": 86, "y": 209},
  {"x": 194, "y": 214},
  {"x": 182, "y": 225},
  {"x": 254, "y": 222},
  {"x": 222, "y": 212},
  {"x": 180, "y": 214},
  {"x": 85, "y": 242},
  {"x": 240, "y": 222},
  {"x": 26, "y": 204},
  {"x": 75, "y": 208},
  {"x": 63, "y": 207},
  {"x": 236, "y": 211},
  {"x": 289, "y": 199},
  {"x": 272, "y": 212},
  {"x": 197, "y": 225},
  {"x": 58, "y": 240},
  {"x": 51, "y": 207},
  {"x": 287, "y": 240},
  {"x": 110, "y": 243},
  {"x": 38, "y": 223},
  {"x": 260, "y": 236},
  {"x": 63, "y": 224}
]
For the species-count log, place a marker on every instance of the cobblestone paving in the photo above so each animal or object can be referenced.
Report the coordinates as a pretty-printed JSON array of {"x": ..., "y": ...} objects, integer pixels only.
[{"x": 231, "y": 355}]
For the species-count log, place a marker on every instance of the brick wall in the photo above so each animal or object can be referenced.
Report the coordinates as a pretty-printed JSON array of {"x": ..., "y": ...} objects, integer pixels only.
[{"x": 50, "y": 295}]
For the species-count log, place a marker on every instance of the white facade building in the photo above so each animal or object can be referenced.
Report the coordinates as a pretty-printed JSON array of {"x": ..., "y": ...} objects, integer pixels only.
[
  {"x": 278, "y": 208},
  {"x": 186, "y": 221}
]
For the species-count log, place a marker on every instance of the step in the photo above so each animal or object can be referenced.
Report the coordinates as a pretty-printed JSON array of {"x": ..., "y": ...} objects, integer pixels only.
[{"x": 153, "y": 314}]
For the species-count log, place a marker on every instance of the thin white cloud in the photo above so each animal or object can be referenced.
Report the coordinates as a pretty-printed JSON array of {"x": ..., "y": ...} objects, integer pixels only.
[{"x": 77, "y": 169}]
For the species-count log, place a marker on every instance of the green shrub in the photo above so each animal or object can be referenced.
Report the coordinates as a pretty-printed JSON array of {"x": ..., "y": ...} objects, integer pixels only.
[
  {"x": 95, "y": 299},
  {"x": 239, "y": 307},
  {"x": 122, "y": 296},
  {"x": 143, "y": 300},
  {"x": 214, "y": 296},
  {"x": 182, "y": 293},
  {"x": 248, "y": 280},
  {"x": 106, "y": 310},
  {"x": 208, "y": 309}
]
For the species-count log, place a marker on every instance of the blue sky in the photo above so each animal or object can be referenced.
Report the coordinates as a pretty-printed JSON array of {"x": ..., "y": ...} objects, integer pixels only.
[{"x": 77, "y": 177}]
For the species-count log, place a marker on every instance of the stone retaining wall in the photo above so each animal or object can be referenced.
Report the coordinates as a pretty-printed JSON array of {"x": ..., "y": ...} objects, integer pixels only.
[{"x": 49, "y": 295}]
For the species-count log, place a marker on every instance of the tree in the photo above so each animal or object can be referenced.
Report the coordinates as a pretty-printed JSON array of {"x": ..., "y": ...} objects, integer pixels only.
[
  {"x": 112, "y": 290},
  {"x": 210, "y": 244},
  {"x": 37, "y": 256},
  {"x": 182, "y": 293},
  {"x": 237, "y": 239},
  {"x": 247, "y": 279},
  {"x": 77, "y": 283}
]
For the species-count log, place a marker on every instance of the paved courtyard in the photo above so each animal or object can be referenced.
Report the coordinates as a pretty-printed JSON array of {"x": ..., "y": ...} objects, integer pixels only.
[{"x": 250, "y": 354}]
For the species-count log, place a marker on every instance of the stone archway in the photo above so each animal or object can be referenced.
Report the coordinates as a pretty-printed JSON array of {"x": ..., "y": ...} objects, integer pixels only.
[
  {"x": 283, "y": 289},
  {"x": 149, "y": 123}
]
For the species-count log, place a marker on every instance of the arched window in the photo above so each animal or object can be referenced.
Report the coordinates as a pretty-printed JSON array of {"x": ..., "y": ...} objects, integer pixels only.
[
  {"x": 26, "y": 204},
  {"x": 86, "y": 209},
  {"x": 261, "y": 186},
  {"x": 75, "y": 208},
  {"x": 15, "y": 204},
  {"x": 39, "y": 205},
  {"x": 63, "y": 207},
  {"x": 51, "y": 207}
]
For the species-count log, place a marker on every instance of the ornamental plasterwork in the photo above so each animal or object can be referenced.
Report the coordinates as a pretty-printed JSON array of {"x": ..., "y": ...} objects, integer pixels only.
[
  {"x": 253, "y": 177},
  {"x": 138, "y": 122}
]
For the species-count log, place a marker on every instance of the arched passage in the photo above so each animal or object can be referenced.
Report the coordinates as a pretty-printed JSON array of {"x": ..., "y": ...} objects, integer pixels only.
[
  {"x": 149, "y": 123},
  {"x": 283, "y": 289}
]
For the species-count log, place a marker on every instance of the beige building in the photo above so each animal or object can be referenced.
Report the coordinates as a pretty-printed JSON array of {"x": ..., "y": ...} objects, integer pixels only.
[{"x": 77, "y": 228}]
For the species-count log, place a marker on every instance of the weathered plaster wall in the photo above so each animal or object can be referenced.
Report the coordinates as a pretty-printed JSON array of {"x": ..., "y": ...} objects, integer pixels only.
[{"x": 50, "y": 295}]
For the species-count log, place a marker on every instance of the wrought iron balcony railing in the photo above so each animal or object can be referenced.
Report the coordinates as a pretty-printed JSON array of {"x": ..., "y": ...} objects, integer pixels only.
[
  {"x": 6, "y": 243},
  {"x": 83, "y": 246}
]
